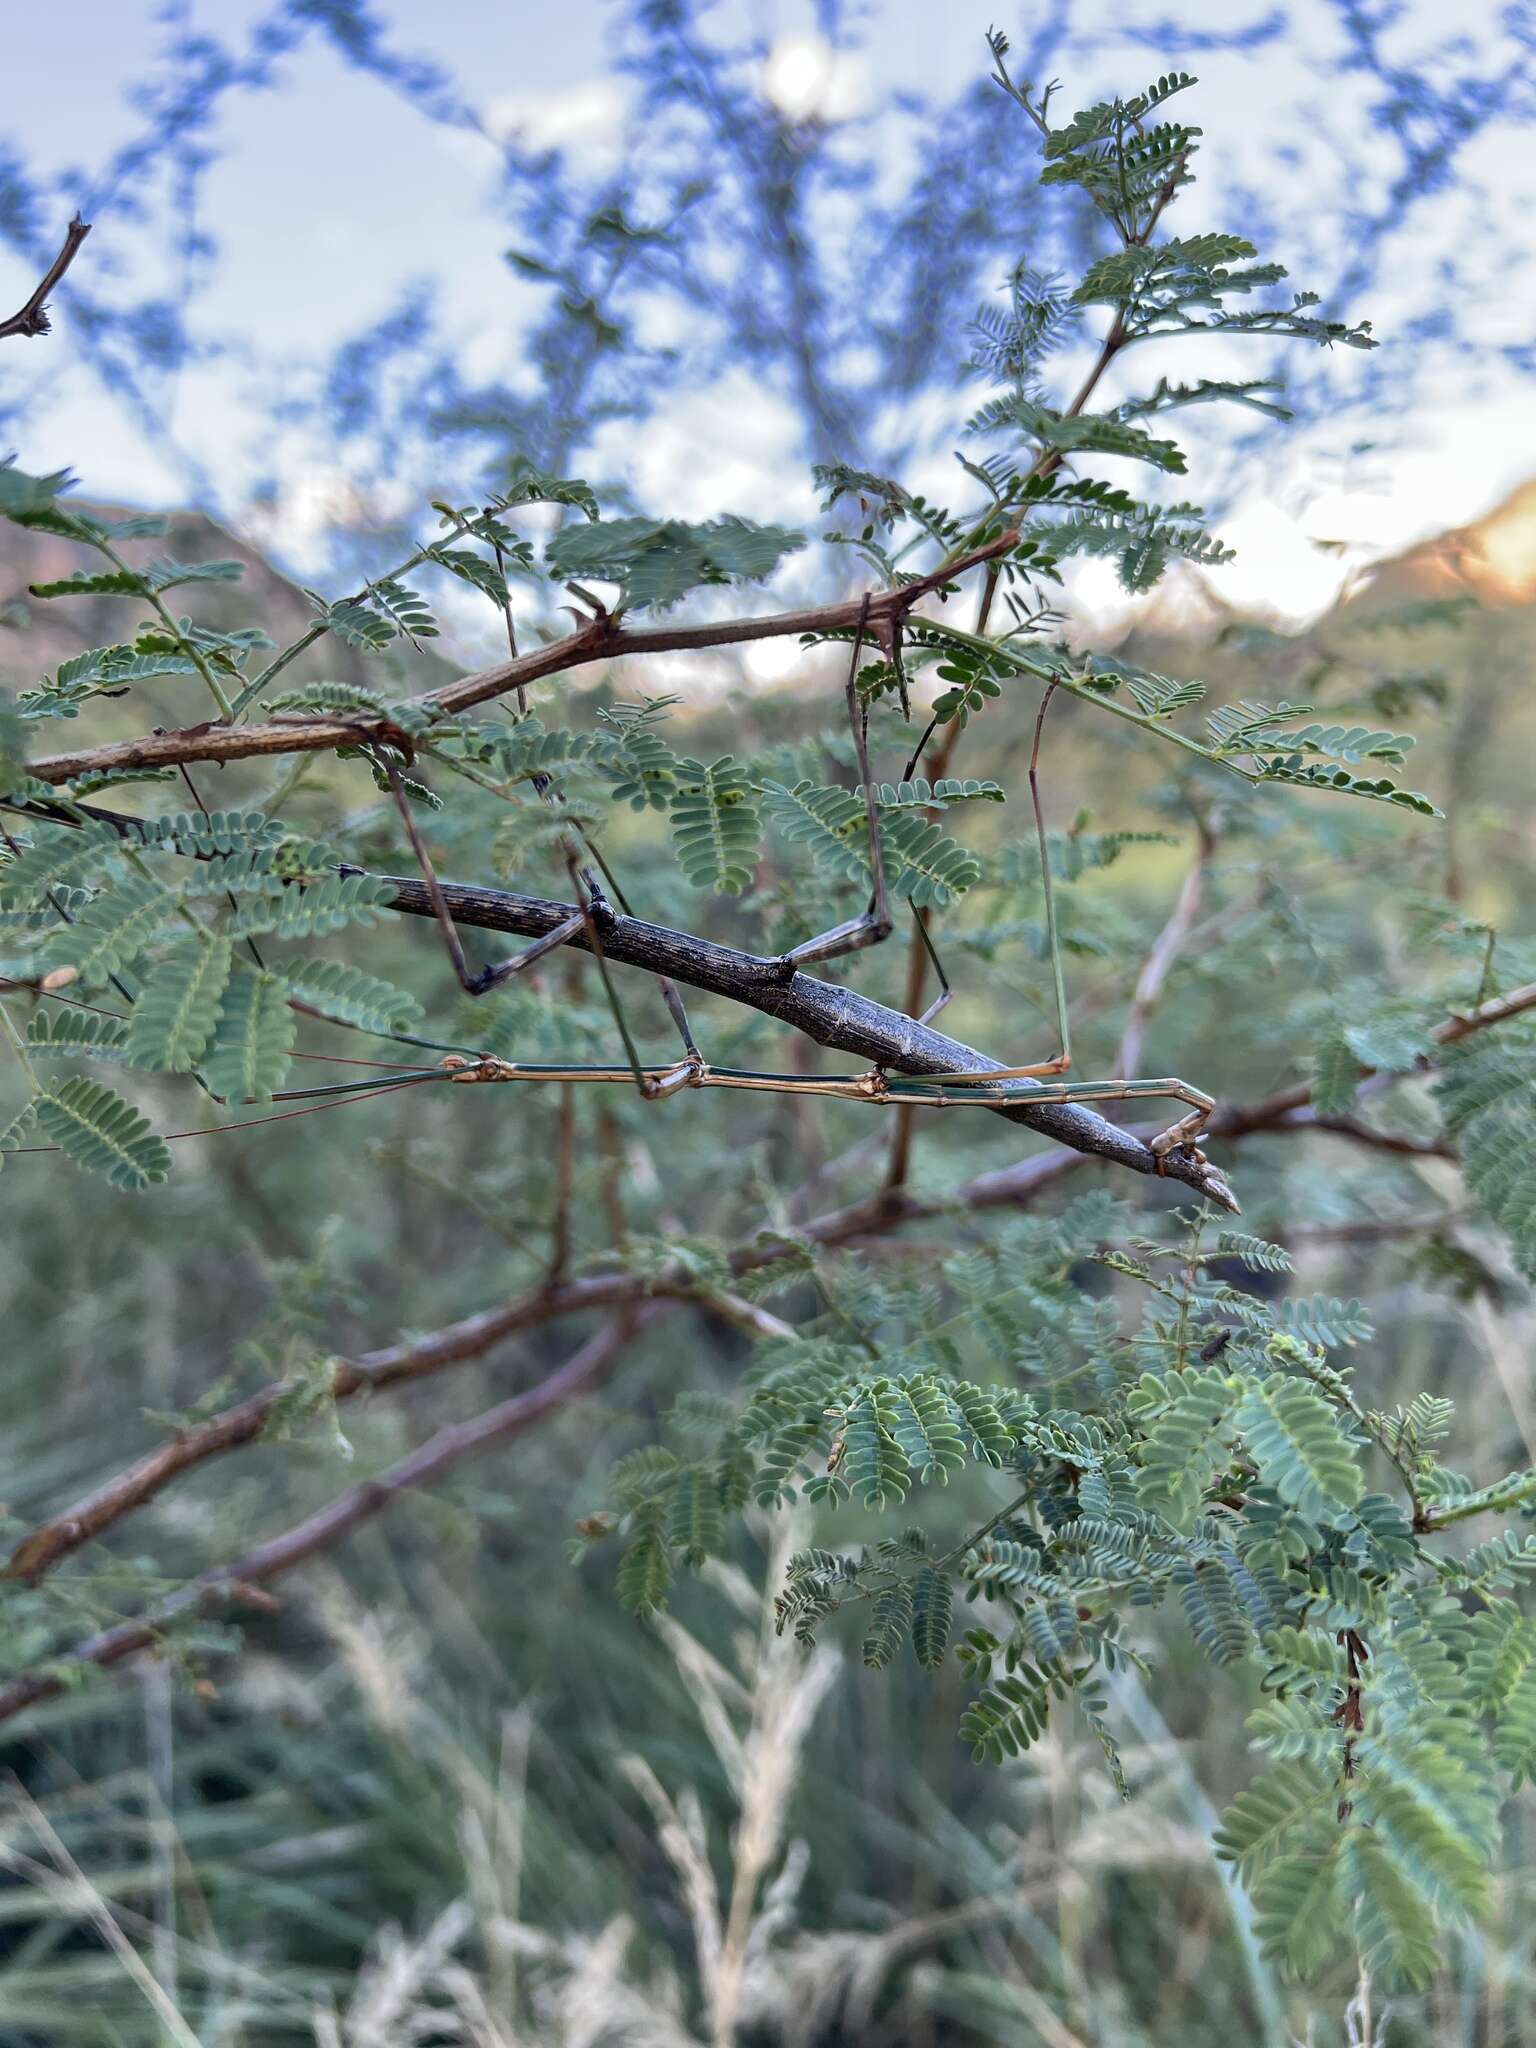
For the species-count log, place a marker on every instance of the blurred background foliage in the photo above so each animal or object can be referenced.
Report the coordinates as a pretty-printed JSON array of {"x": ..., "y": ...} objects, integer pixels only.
[{"x": 447, "y": 1791}]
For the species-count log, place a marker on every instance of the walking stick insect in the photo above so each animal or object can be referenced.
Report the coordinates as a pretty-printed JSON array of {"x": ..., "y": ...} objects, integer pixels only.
[{"x": 937, "y": 1089}]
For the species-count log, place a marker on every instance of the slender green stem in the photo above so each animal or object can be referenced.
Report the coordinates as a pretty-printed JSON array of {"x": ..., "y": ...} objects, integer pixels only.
[
  {"x": 18, "y": 1046},
  {"x": 1440, "y": 1514},
  {"x": 1021, "y": 1500},
  {"x": 1485, "y": 979},
  {"x": 1047, "y": 886},
  {"x": 321, "y": 627},
  {"x": 1023, "y": 664},
  {"x": 135, "y": 860},
  {"x": 193, "y": 652},
  {"x": 291, "y": 652},
  {"x": 288, "y": 782}
]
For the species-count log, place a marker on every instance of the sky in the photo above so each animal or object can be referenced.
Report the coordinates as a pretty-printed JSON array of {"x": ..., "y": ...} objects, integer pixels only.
[{"x": 330, "y": 198}]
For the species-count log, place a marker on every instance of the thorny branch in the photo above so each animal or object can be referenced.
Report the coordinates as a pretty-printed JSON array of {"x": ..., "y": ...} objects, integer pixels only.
[
  {"x": 601, "y": 639},
  {"x": 394, "y": 1365},
  {"x": 874, "y": 1216},
  {"x": 33, "y": 316},
  {"x": 634, "y": 1300},
  {"x": 317, "y": 1532}
]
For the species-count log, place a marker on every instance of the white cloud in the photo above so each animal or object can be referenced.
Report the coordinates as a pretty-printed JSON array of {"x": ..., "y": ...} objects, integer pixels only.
[
  {"x": 731, "y": 447},
  {"x": 590, "y": 114},
  {"x": 313, "y": 499},
  {"x": 770, "y": 661}
]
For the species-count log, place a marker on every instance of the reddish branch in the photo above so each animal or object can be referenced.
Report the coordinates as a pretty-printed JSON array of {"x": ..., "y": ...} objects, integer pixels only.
[
  {"x": 33, "y": 317},
  {"x": 599, "y": 640},
  {"x": 280, "y": 1554},
  {"x": 1164, "y": 954},
  {"x": 473, "y": 1336},
  {"x": 243, "y": 1423},
  {"x": 635, "y": 1302}
]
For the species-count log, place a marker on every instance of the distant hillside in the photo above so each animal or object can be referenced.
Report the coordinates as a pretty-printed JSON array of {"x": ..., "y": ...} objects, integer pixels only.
[
  {"x": 36, "y": 634},
  {"x": 1493, "y": 560}
]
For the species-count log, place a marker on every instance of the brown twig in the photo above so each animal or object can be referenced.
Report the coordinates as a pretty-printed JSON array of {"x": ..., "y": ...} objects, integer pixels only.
[
  {"x": 473, "y": 1336},
  {"x": 565, "y": 1174},
  {"x": 1364, "y": 1134},
  {"x": 320, "y": 1531},
  {"x": 1165, "y": 951},
  {"x": 599, "y": 640},
  {"x": 33, "y": 316},
  {"x": 873, "y": 1216},
  {"x": 1234, "y": 1120}
]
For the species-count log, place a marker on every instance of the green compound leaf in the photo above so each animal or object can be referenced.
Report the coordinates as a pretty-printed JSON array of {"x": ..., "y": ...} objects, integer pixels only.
[
  {"x": 109, "y": 933},
  {"x": 923, "y": 1425},
  {"x": 1186, "y": 1442},
  {"x": 178, "y": 1007},
  {"x": 1314, "y": 775},
  {"x": 353, "y": 622},
  {"x": 85, "y": 1032},
  {"x": 1293, "y": 1435},
  {"x": 22, "y": 1124},
  {"x": 101, "y": 1132},
  {"x": 645, "y": 1572},
  {"x": 251, "y": 1046},
  {"x": 931, "y": 1608},
  {"x": 921, "y": 861},
  {"x": 1269, "y": 1818},
  {"x": 58, "y": 858},
  {"x": 890, "y": 1624},
  {"x": 1487, "y": 1095},
  {"x": 474, "y": 570},
  {"x": 204, "y": 834},
  {"x": 313, "y": 911},
  {"x": 875, "y": 1465},
  {"x": 349, "y": 996},
  {"x": 1394, "y": 1924},
  {"x": 323, "y": 697},
  {"x": 715, "y": 825},
  {"x": 1007, "y": 1718},
  {"x": 693, "y": 1517},
  {"x": 1298, "y": 1916}
]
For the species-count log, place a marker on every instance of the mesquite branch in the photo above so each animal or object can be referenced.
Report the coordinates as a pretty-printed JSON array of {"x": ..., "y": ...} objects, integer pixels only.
[
  {"x": 474, "y": 1336},
  {"x": 632, "y": 1298},
  {"x": 317, "y": 1532},
  {"x": 876, "y": 1215},
  {"x": 32, "y": 319},
  {"x": 601, "y": 639}
]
